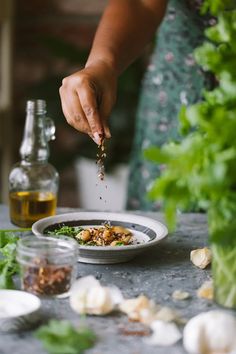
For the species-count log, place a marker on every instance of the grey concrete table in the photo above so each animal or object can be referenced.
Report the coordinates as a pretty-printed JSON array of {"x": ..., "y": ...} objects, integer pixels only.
[{"x": 155, "y": 273}]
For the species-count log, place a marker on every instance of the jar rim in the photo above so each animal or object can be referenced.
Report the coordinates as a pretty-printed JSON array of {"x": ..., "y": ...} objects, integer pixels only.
[{"x": 36, "y": 245}]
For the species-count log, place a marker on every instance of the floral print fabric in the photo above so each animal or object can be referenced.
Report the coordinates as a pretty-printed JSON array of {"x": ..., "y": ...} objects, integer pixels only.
[{"x": 172, "y": 79}]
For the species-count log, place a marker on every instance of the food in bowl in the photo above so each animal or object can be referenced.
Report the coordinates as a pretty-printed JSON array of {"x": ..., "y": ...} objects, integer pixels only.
[{"x": 104, "y": 235}]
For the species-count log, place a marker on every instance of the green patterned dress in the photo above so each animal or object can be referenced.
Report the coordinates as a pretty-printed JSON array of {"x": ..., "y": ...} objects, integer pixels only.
[{"x": 172, "y": 79}]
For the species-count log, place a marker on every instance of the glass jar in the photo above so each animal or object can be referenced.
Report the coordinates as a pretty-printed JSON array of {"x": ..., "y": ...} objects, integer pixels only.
[
  {"x": 33, "y": 182},
  {"x": 47, "y": 264}
]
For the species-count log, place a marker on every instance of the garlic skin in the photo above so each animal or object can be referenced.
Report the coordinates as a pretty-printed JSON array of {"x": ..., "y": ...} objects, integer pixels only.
[
  {"x": 144, "y": 310},
  {"x": 210, "y": 332},
  {"x": 164, "y": 334},
  {"x": 201, "y": 257},
  {"x": 166, "y": 314},
  {"x": 139, "y": 309},
  {"x": 89, "y": 297}
]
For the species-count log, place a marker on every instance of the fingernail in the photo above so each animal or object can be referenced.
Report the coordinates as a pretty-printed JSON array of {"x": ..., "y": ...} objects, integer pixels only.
[{"x": 97, "y": 138}]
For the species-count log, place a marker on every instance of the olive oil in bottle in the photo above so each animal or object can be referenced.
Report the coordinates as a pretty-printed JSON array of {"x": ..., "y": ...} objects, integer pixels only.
[
  {"x": 33, "y": 182},
  {"x": 28, "y": 207}
]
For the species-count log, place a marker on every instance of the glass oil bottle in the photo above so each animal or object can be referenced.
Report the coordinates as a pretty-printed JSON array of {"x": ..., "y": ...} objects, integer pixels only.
[{"x": 33, "y": 182}]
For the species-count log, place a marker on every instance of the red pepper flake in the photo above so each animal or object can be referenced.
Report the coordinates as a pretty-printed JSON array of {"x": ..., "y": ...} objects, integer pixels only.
[
  {"x": 135, "y": 332},
  {"x": 43, "y": 278}
]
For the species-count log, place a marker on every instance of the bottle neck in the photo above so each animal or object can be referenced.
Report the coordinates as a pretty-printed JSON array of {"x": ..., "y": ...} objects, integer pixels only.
[{"x": 34, "y": 146}]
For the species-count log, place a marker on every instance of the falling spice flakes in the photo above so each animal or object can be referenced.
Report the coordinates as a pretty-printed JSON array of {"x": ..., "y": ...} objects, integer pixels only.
[{"x": 101, "y": 155}]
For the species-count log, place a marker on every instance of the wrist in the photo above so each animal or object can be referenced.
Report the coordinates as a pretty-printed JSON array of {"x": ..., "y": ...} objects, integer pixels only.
[{"x": 107, "y": 64}]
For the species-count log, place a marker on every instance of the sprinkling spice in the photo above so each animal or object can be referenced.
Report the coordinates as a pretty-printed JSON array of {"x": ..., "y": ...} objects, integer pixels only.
[
  {"x": 101, "y": 155},
  {"x": 43, "y": 278}
]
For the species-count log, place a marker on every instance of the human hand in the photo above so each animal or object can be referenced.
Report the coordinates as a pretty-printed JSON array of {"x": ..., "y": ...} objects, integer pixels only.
[{"x": 87, "y": 98}]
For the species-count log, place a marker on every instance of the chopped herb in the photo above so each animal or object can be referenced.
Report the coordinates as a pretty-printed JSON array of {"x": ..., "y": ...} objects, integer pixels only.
[
  {"x": 61, "y": 337},
  {"x": 120, "y": 244},
  {"x": 70, "y": 231}
]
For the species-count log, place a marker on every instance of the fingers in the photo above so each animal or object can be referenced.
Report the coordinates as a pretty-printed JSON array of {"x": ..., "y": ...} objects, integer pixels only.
[
  {"x": 73, "y": 111},
  {"x": 89, "y": 104},
  {"x": 79, "y": 119},
  {"x": 87, "y": 100},
  {"x": 79, "y": 105}
]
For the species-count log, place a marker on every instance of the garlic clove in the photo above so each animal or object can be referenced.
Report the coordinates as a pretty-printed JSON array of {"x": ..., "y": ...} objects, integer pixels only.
[
  {"x": 85, "y": 283},
  {"x": 201, "y": 257},
  {"x": 87, "y": 296},
  {"x": 206, "y": 290},
  {"x": 180, "y": 295},
  {"x": 164, "y": 334},
  {"x": 139, "y": 309},
  {"x": 166, "y": 314},
  {"x": 99, "y": 301},
  {"x": 116, "y": 295},
  {"x": 210, "y": 332}
]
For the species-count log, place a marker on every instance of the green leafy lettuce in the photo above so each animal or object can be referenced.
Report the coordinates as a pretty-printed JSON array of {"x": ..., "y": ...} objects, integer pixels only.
[
  {"x": 200, "y": 170},
  {"x": 8, "y": 264}
]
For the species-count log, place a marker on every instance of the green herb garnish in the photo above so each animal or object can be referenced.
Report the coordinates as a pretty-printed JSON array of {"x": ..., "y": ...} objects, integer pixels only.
[
  {"x": 70, "y": 231},
  {"x": 61, "y": 337},
  {"x": 120, "y": 244}
]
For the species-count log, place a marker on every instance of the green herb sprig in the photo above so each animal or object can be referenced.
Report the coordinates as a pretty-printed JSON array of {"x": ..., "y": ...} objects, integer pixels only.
[
  {"x": 70, "y": 231},
  {"x": 8, "y": 263},
  {"x": 61, "y": 337}
]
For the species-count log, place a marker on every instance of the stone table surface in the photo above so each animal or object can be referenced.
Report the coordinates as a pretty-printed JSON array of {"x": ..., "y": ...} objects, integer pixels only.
[{"x": 156, "y": 273}]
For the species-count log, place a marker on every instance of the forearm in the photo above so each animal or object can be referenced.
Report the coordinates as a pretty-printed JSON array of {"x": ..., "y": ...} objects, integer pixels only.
[{"x": 126, "y": 27}]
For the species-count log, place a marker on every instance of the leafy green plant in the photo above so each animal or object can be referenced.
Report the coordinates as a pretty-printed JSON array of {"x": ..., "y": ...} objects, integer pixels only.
[
  {"x": 200, "y": 170},
  {"x": 61, "y": 337},
  {"x": 8, "y": 264}
]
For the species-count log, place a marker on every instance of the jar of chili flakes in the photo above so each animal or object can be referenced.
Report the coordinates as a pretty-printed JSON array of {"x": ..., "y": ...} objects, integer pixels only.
[{"x": 47, "y": 264}]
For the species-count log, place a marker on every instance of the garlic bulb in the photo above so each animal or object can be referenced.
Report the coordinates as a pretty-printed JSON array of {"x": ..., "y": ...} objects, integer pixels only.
[
  {"x": 210, "y": 332},
  {"x": 89, "y": 297},
  {"x": 201, "y": 257}
]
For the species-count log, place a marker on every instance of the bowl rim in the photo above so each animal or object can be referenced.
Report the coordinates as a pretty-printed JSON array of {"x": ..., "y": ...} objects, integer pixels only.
[
  {"x": 29, "y": 298},
  {"x": 39, "y": 226}
]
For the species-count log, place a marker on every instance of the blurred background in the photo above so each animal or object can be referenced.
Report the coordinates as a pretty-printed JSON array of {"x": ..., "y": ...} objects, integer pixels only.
[{"x": 41, "y": 42}]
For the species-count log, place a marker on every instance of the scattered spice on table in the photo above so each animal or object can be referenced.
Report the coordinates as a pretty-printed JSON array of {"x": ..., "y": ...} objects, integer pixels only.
[{"x": 140, "y": 332}]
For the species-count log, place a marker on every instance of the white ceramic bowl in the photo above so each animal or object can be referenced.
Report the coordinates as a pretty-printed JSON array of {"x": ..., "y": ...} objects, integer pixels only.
[
  {"x": 19, "y": 310},
  {"x": 147, "y": 232}
]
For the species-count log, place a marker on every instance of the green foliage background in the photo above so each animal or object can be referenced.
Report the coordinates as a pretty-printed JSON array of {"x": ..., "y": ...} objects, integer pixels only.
[{"x": 201, "y": 168}]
